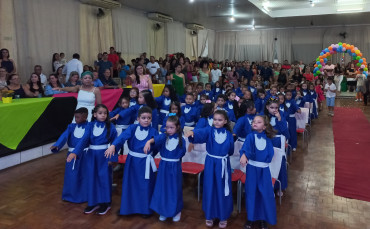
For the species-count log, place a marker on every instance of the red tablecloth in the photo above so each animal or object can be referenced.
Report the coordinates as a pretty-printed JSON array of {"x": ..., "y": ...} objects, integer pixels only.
[{"x": 109, "y": 97}]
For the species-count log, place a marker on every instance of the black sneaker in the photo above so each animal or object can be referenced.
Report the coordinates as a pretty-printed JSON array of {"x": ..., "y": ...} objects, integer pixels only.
[
  {"x": 90, "y": 209},
  {"x": 263, "y": 225},
  {"x": 104, "y": 208},
  {"x": 248, "y": 225}
]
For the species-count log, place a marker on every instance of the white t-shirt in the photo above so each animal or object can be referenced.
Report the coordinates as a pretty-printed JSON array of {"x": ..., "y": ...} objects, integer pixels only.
[
  {"x": 153, "y": 67},
  {"x": 43, "y": 79},
  {"x": 215, "y": 75},
  {"x": 330, "y": 94}
]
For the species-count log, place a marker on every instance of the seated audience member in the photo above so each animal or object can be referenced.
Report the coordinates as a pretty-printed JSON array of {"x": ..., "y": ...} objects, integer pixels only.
[
  {"x": 15, "y": 85},
  {"x": 53, "y": 83},
  {"x": 60, "y": 75},
  {"x": 3, "y": 83},
  {"x": 34, "y": 88},
  {"x": 107, "y": 80},
  {"x": 6, "y": 63},
  {"x": 38, "y": 71},
  {"x": 73, "y": 80},
  {"x": 97, "y": 82}
]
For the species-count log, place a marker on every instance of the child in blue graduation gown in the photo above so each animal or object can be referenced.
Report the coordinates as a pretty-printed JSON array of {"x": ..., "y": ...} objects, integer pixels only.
[
  {"x": 190, "y": 111},
  {"x": 164, "y": 101},
  {"x": 282, "y": 108},
  {"x": 98, "y": 134},
  {"x": 292, "y": 121},
  {"x": 261, "y": 100},
  {"x": 231, "y": 102},
  {"x": 279, "y": 124},
  {"x": 217, "y": 195},
  {"x": 74, "y": 187},
  {"x": 243, "y": 125},
  {"x": 299, "y": 100},
  {"x": 122, "y": 115},
  {"x": 138, "y": 177},
  {"x": 207, "y": 91},
  {"x": 167, "y": 196},
  {"x": 206, "y": 115},
  {"x": 217, "y": 89},
  {"x": 258, "y": 152},
  {"x": 146, "y": 99},
  {"x": 134, "y": 94},
  {"x": 313, "y": 96},
  {"x": 221, "y": 101},
  {"x": 175, "y": 110}
]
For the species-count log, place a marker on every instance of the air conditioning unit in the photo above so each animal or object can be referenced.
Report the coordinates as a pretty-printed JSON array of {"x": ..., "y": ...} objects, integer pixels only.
[
  {"x": 160, "y": 17},
  {"x": 194, "y": 26},
  {"x": 107, "y": 4}
]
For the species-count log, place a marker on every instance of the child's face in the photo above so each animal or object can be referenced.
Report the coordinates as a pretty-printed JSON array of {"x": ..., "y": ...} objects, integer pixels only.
[
  {"x": 221, "y": 102},
  {"x": 272, "y": 108},
  {"x": 288, "y": 96},
  {"x": 244, "y": 90},
  {"x": 273, "y": 91},
  {"x": 95, "y": 75},
  {"x": 251, "y": 110},
  {"x": 208, "y": 87},
  {"x": 133, "y": 94},
  {"x": 199, "y": 89},
  {"x": 141, "y": 99},
  {"x": 330, "y": 82},
  {"x": 219, "y": 121},
  {"x": 247, "y": 95},
  {"x": 124, "y": 103},
  {"x": 281, "y": 100},
  {"x": 259, "y": 86},
  {"x": 145, "y": 119},
  {"x": 304, "y": 86},
  {"x": 101, "y": 114},
  {"x": 189, "y": 99},
  {"x": 174, "y": 109},
  {"x": 166, "y": 92},
  {"x": 312, "y": 87},
  {"x": 189, "y": 89},
  {"x": 282, "y": 90},
  {"x": 171, "y": 128},
  {"x": 252, "y": 83},
  {"x": 80, "y": 118},
  {"x": 261, "y": 95},
  {"x": 232, "y": 96},
  {"x": 258, "y": 124},
  {"x": 203, "y": 100}
]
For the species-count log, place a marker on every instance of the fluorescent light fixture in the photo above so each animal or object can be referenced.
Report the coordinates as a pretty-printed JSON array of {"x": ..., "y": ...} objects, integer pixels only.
[
  {"x": 254, "y": 27},
  {"x": 312, "y": 4},
  {"x": 191, "y": 1},
  {"x": 349, "y": 10},
  {"x": 266, "y": 8},
  {"x": 232, "y": 19}
]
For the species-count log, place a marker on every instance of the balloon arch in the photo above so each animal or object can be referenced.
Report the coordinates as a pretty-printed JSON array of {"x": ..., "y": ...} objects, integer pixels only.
[{"x": 340, "y": 48}]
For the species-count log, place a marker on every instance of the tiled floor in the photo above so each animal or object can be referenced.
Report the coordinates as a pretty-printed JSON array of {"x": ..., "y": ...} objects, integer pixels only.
[{"x": 30, "y": 194}]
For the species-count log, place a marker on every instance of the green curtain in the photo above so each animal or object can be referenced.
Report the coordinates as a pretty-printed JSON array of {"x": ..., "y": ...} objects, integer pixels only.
[{"x": 18, "y": 117}]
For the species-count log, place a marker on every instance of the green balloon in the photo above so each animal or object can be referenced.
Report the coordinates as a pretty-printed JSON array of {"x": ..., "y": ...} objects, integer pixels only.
[
  {"x": 358, "y": 58},
  {"x": 365, "y": 69},
  {"x": 318, "y": 59},
  {"x": 353, "y": 58},
  {"x": 340, "y": 43},
  {"x": 319, "y": 66},
  {"x": 358, "y": 64},
  {"x": 318, "y": 72}
]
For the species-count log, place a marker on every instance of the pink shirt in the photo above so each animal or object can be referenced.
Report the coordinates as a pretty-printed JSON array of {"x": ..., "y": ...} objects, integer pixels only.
[
  {"x": 144, "y": 85},
  {"x": 330, "y": 68}
]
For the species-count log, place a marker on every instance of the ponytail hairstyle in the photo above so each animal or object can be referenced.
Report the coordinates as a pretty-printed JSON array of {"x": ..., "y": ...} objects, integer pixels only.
[
  {"x": 107, "y": 120},
  {"x": 247, "y": 104},
  {"x": 173, "y": 95},
  {"x": 176, "y": 120},
  {"x": 272, "y": 100},
  {"x": 207, "y": 110},
  {"x": 223, "y": 113},
  {"x": 149, "y": 99},
  {"x": 178, "y": 105},
  {"x": 270, "y": 131}
]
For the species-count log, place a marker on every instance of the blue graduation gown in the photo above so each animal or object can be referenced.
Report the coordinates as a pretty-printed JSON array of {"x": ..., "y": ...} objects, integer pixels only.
[
  {"x": 190, "y": 113},
  {"x": 313, "y": 96},
  {"x": 124, "y": 115},
  {"x": 216, "y": 92},
  {"x": 204, "y": 122},
  {"x": 98, "y": 172},
  {"x": 285, "y": 112},
  {"x": 74, "y": 187},
  {"x": 230, "y": 113},
  {"x": 300, "y": 102},
  {"x": 260, "y": 200},
  {"x": 244, "y": 125},
  {"x": 260, "y": 105},
  {"x": 163, "y": 127},
  {"x": 282, "y": 129},
  {"x": 219, "y": 142},
  {"x": 163, "y": 107},
  {"x": 135, "y": 112},
  {"x": 254, "y": 91},
  {"x": 209, "y": 93},
  {"x": 292, "y": 121},
  {"x": 136, "y": 190},
  {"x": 167, "y": 196}
]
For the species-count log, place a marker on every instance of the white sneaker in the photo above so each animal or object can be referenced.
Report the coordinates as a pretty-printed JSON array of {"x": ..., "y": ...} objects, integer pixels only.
[
  {"x": 162, "y": 218},
  {"x": 294, "y": 149},
  {"x": 177, "y": 217},
  {"x": 356, "y": 100},
  {"x": 360, "y": 100},
  {"x": 332, "y": 114}
]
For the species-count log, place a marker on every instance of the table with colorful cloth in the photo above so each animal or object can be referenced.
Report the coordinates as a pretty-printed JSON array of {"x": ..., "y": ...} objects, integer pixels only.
[{"x": 157, "y": 89}]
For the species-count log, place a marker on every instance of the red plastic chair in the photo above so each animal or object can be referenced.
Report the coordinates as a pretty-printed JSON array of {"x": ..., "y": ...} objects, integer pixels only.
[
  {"x": 156, "y": 161},
  {"x": 122, "y": 159},
  {"x": 304, "y": 132},
  {"x": 195, "y": 169}
]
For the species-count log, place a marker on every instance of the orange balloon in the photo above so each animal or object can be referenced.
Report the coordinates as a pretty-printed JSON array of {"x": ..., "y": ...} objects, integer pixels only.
[
  {"x": 321, "y": 60},
  {"x": 353, "y": 50},
  {"x": 330, "y": 48},
  {"x": 348, "y": 46},
  {"x": 316, "y": 65},
  {"x": 364, "y": 59},
  {"x": 344, "y": 45},
  {"x": 360, "y": 54},
  {"x": 352, "y": 46}
]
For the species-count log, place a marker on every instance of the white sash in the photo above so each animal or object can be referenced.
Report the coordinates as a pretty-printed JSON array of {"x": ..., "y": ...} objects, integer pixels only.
[
  {"x": 98, "y": 147},
  {"x": 149, "y": 162},
  {"x": 241, "y": 139},
  {"x": 170, "y": 160},
  {"x": 189, "y": 123},
  {"x": 258, "y": 164},
  {"x": 223, "y": 171},
  {"x": 164, "y": 111}
]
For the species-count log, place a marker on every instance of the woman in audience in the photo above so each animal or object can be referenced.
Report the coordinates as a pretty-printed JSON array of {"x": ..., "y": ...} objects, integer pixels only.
[
  {"x": 3, "y": 83},
  {"x": 141, "y": 81},
  {"x": 204, "y": 74},
  {"x": 7, "y": 63},
  {"x": 59, "y": 74},
  {"x": 178, "y": 80},
  {"x": 232, "y": 77},
  {"x": 56, "y": 62},
  {"x": 15, "y": 85},
  {"x": 73, "y": 80},
  {"x": 308, "y": 74},
  {"x": 296, "y": 76},
  {"x": 282, "y": 78},
  {"x": 53, "y": 85},
  {"x": 34, "y": 88}
]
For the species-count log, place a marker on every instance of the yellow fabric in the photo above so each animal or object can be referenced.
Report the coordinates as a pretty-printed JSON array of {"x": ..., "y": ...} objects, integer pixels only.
[{"x": 158, "y": 88}]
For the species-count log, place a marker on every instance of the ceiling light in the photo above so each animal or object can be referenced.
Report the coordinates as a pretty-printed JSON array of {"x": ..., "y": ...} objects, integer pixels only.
[
  {"x": 266, "y": 8},
  {"x": 349, "y": 10},
  {"x": 232, "y": 19},
  {"x": 191, "y": 1}
]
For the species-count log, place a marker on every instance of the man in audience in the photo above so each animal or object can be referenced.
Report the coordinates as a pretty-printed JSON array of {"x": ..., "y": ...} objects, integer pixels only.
[
  {"x": 104, "y": 64},
  {"x": 38, "y": 71},
  {"x": 146, "y": 60},
  {"x": 153, "y": 68},
  {"x": 266, "y": 73},
  {"x": 107, "y": 79},
  {"x": 114, "y": 59},
  {"x": 215, "y": 73},
  {"x": 74, "y": 65},
  {"x": 286, "y": 65},
  {"x": 248, "y": 73},
  {"x": 240, "y": 70}
]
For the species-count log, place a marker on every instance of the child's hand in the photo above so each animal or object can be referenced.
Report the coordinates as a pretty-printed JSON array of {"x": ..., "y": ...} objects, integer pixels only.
[
  {"x": 190, "y": 147},
  {"x": 147, "y": 147},
  {"x": 243, "y": 160},
  {"x": 189, "y": 134},
  {"x": 54, "y": 148},
  {"x": 115, "y": 117},
  {"x": 110, "y": 151},
  {"x": 277, "y": 115},
  {"x": 71, "y": 156}
]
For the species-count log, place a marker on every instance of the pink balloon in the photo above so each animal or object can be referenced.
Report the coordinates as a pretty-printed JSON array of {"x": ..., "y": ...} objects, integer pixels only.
[
  {"x": 321, "y": 69},
  {"x": 356, "y": 48},
  {"x": 362, "y": 66},
  {"x": 344, "y": 49},
  {"x": 337, "y": 46},
  {"x": 332, "y": 52}
]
